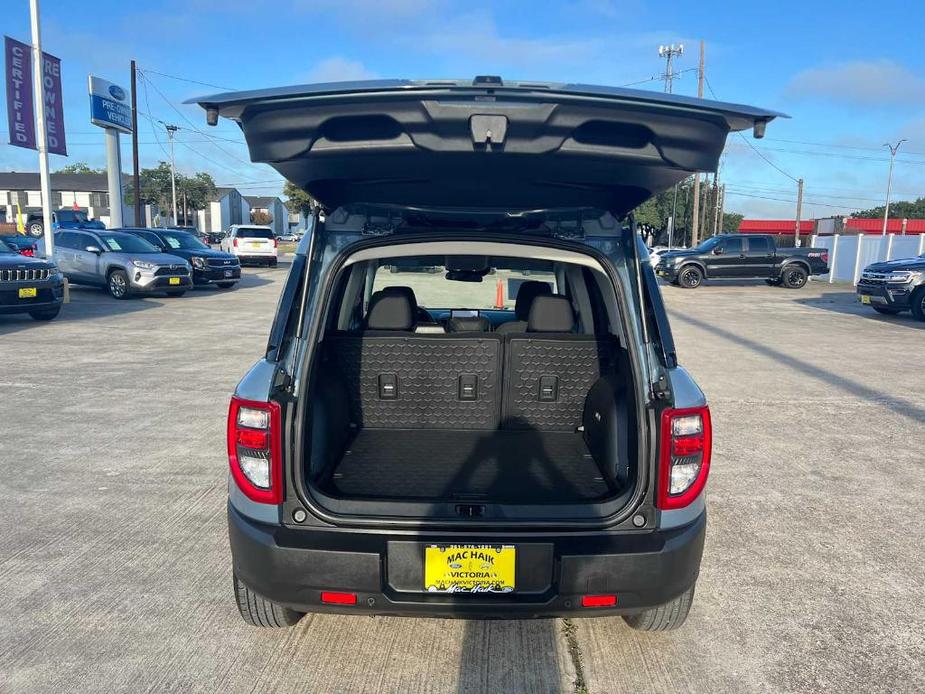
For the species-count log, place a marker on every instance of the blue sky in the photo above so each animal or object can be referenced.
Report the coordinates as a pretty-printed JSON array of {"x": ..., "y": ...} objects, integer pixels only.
[{"x": 848, "y": 73}]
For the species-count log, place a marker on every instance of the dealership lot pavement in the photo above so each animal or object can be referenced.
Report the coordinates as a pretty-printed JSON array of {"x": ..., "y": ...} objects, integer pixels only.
[{"x": 115, "y": 572}]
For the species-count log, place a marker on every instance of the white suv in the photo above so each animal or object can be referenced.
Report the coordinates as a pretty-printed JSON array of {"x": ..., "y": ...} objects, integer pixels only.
[{"x": 251, "y": 244}]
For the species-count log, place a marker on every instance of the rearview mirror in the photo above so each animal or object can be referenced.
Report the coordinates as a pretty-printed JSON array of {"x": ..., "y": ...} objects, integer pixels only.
[
  {"x": 93, "y": 249},
  {"x": 718, "y": 250}
]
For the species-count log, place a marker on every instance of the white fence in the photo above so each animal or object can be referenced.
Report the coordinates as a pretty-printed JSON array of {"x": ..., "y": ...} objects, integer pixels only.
[{"x": 850, "y": 254}]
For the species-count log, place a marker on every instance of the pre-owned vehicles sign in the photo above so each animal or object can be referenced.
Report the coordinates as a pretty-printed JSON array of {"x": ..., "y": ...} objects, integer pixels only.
[{"x": 109, "y": 106}]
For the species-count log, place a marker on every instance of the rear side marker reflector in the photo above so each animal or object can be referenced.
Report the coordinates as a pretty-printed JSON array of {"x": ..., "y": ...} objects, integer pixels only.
[
  {"x": 332, "y": 598},
  {"x": 598, "y": 600}
]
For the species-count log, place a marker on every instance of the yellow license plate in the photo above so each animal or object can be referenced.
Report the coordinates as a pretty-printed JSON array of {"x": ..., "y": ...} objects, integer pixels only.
[
  {"x": 28, "y": 293},
  {"x": 469, "y": 568},
  {"x": 865, "y": 299},
  {"x": 174, "y": 280}
]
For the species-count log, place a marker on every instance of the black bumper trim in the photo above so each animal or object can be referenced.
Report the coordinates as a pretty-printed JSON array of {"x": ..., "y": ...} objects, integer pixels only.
[{"x": 292, "y": 568}]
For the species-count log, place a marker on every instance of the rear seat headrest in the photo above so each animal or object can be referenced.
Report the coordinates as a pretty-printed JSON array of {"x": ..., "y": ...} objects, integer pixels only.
[
  {"x": 527, "y": 292},
  {"x": 392, "y": 308},
  {"x": 551, "y": 314}
]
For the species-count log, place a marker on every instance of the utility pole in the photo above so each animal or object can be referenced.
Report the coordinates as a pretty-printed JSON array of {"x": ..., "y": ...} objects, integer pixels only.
[
  {"x": 796, "y": 231},
  {"x": 171, "y": 129},
  {"x": 38, "y": 74},
  {"x": 715, "y": 204},
  {"x": 695, "y": 215},
  {"x": 889, "y": 182},
  {"x": 669, "y": 52},
  {"x": 135, "y": 176}
]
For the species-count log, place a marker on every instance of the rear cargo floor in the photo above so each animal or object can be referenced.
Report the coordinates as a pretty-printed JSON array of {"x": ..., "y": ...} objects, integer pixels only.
[{"x": 497, "y": 466}]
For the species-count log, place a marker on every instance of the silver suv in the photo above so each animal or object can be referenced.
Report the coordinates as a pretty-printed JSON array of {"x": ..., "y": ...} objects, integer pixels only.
[{"x": 123, "y": 263}]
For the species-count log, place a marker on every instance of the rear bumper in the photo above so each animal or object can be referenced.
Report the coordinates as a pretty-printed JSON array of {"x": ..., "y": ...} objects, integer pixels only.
[{"x": 386, "y": 571}]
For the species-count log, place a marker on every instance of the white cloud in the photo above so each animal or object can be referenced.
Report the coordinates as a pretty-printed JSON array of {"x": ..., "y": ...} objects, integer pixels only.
[
  {"x": 865, "y": 83},
  {"x": 339, "y": 69}
]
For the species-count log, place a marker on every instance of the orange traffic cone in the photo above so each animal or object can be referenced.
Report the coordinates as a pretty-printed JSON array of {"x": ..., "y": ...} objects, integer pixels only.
[{"x": 499, "y": 294}]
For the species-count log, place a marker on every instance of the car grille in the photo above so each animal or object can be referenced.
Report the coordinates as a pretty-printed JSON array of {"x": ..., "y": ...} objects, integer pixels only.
[
  {"x": 29, "y": 275},
  {"x": 222, "y": 262},
  {"x": 874, "y": 279},
  {"x": 171, "y": 270}
]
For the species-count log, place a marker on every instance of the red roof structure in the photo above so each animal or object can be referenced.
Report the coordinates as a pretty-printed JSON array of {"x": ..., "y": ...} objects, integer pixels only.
[
  {"x": 775, "y": 226},
  {"x": 852, "y": 225},
  {"x": 894, "y": 225}
]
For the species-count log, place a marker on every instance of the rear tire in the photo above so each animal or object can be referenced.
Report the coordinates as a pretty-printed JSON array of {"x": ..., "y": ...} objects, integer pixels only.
[
  {"x": 665, "y": 617},
  {"x": 47, "y": 314},
  {"x": 794, "y": 276},
  {"x": 886, "y": 311},
  {"x": 36, "y": 229},
  {"x": 690, "y": 277},
  {"x": 260, "y": 612},
  {"x": 918, "y": 303}
]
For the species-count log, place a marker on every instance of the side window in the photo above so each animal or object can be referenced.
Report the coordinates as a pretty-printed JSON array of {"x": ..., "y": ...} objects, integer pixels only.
[
  {"x": 732, "y": 246},
  {"x": 760, "y": 244},
  {"x": 153, "y": 239},
  {"x": 64, "y": 239},
  {"x": 80, "y": 241}
]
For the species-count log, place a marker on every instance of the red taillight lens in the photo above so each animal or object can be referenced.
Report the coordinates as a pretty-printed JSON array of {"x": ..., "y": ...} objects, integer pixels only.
[
  {"x": 598, "y": 600},
  {"x": 684, "y": 462},
  {"x": 825, "y": 257},
  {"x": 275, "y": 243},
  {"x": 235, "y": 242},
  {"x": 331, "y": 598},
  {"x": 254, "y": 450},
  {"x": 28, "y": 251}
]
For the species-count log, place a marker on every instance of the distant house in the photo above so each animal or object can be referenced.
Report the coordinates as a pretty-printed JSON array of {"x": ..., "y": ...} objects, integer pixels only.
[
  {"x": 226, "y": 207},
  {"x": 272, "y": 206},
  {"x": 89, "y": 190}
]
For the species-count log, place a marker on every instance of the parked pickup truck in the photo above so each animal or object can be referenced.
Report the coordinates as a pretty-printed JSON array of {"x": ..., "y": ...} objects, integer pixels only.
[
  {"x": 742, "y": 256},
  {"x": 895, "y": 286}
]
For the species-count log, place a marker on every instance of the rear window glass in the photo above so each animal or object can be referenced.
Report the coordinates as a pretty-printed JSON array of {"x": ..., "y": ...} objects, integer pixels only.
[
  {"x": 255, "y": 234},
  {"x": 433, "y": 290}
]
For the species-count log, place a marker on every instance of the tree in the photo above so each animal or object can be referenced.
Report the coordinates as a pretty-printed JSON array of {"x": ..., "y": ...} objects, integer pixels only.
[
  {"x": 731, "y": 221},
  {"x": 261, "y": 217},
  {"x": 79, "y": 168},
  {"x": 297, "y": 200},
  {"x": 193, "y": 192},
  {"x": 899, "y": 209},
  {"x": 655, "y": 212}
]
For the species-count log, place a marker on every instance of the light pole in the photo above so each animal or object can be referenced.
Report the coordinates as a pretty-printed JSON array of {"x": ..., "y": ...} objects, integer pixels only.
[
  {"x": 171, "y": 129},
  {"x": 889, "y": 182},
  {"x": 669, "y": 52}
]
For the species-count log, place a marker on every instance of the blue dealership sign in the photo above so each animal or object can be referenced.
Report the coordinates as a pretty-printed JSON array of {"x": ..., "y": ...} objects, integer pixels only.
[{"x": 109, "y": 106}]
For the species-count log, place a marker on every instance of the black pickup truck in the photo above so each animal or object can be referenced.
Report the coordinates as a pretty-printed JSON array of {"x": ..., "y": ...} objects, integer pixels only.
[{"x": 742, "y": 256}]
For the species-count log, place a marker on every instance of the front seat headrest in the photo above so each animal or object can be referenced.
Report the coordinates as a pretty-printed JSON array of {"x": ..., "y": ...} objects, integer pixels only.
[
  {"x": 527, "y": 292},
  {"x": 551, "y": 314},
  {"x": 467, "y": 324},
  {"x": 392, "y": 308}
]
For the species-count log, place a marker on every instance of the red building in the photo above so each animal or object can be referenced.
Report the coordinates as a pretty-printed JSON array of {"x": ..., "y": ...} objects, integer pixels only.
[
  {"x": 778, "y": 227},
  {"x": 823, "y": 227}
]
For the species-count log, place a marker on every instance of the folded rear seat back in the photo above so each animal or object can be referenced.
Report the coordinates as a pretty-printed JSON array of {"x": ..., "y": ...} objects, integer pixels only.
[{"x": 549, "y": 370}]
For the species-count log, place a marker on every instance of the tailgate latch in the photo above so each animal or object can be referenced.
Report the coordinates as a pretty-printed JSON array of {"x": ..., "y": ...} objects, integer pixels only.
[{"x": 488, "y": 130}]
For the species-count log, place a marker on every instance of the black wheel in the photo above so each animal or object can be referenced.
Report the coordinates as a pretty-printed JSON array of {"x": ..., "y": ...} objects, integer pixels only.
[
  {"x": 46, "y": 314},
  {"x": 117, "y": 284},
  {"x": 260, "y": 612},
  {"x": 225, "y": 285},
  {"x": 794, "y": 276},
  {"x": 918, "y": 303},
  {"x": 665, "y": 617},
  {"x": 36, "y": 229},
  {"x": 180, "y": 292},
  {"x": 690, "y": 277},
  {"x": 886, "y": 311}
]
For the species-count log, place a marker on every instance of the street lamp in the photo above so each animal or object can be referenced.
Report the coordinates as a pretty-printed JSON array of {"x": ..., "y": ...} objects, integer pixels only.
[{"x": 889, "y": 182}]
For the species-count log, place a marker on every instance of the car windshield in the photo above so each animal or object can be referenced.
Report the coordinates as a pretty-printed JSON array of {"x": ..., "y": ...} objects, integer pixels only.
[
  {"x": 247, "y": 233},
  {"x": 709, "y": 243},
  {"x": 127, "y": 243},
  {"x": 6, "y": 249},
  {"x": 72, "y": 216},
  {"x": 182, "y": 240}
]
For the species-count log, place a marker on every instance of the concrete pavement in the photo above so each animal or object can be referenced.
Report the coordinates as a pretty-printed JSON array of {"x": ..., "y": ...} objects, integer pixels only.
[{"x": 115, "y": 571}]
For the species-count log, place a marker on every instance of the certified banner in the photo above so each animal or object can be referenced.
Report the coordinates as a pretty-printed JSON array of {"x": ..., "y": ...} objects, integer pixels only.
[
  {"x": 20, "y": 110},
  {"x": 18, "y": 72}
]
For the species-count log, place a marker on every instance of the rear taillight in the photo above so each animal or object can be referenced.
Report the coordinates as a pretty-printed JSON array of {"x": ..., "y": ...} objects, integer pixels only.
[
  {"x": 28, "y": 251},
  {"x": 825, "y": 257},
  {"x": 235, "y": 243},
  {"x": 275, "y": 243},
  {"x": 254, "y": 449},
  {"x": 684, "y": 463}
]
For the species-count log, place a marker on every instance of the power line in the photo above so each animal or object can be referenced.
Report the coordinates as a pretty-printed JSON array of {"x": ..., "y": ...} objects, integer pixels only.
[
  {"x": 191, "y": 81},
  {"x": 792, "y": 200}
]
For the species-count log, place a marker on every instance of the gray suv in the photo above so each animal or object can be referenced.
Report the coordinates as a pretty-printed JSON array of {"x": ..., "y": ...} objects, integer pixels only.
[
  {"x": 417, "y": 443},
  {"x": 123, "y": 263}
]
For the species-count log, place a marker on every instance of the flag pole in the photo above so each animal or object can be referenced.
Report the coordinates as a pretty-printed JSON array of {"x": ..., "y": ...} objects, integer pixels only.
[{"x": 38, "y": 77}]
